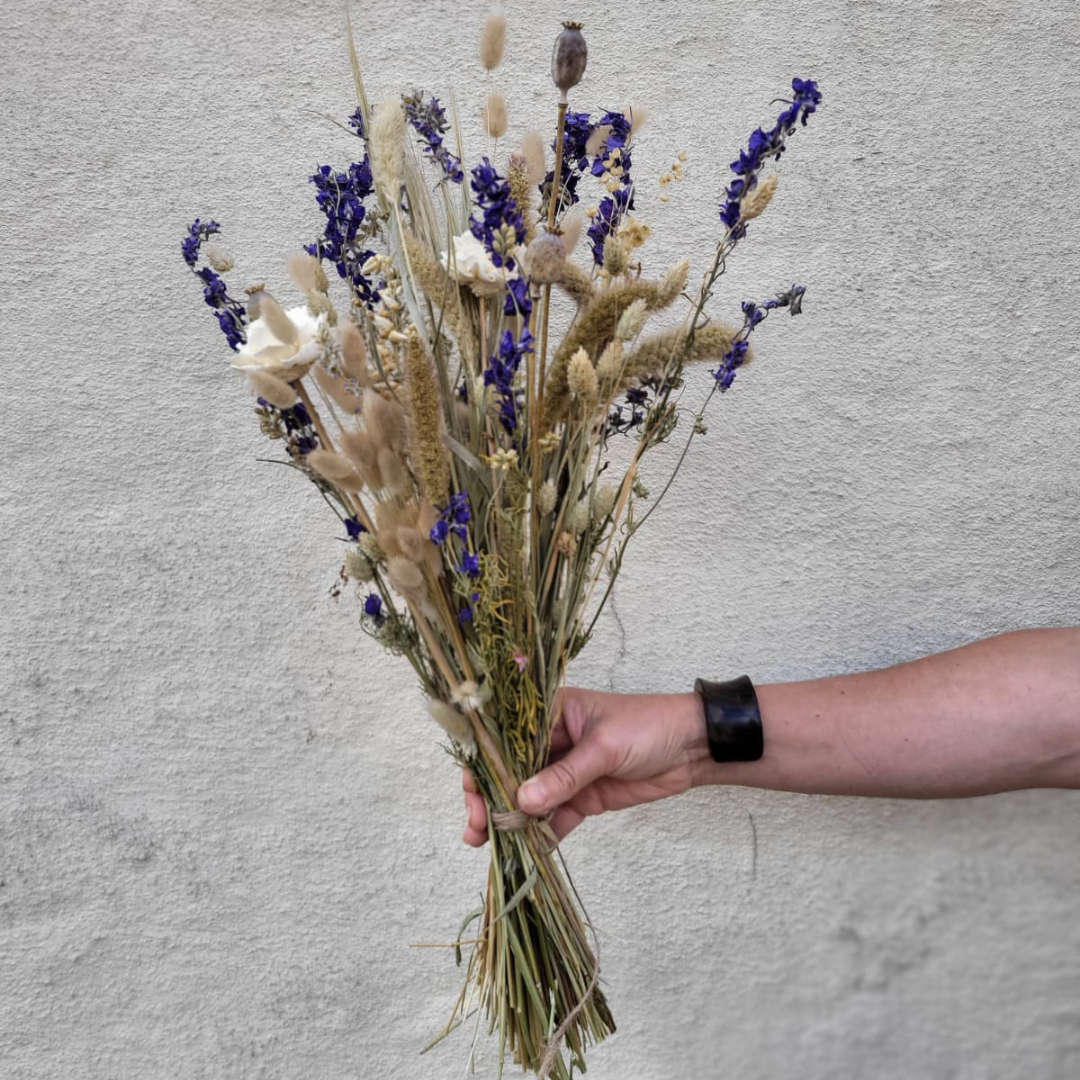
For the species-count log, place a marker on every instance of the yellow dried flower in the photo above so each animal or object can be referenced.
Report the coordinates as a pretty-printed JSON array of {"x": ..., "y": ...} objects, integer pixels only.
[
  {"x": 549, "y": 442},
  {"x": 633, "y": 231},
  {"x": 502, "y": 459},
  {"x": 493, "y": 40},
  {"x": 495, "y": 120}
]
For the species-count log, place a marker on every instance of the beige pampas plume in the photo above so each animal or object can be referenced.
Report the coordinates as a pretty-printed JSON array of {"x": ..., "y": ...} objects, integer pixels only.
[
  {"x": 384, "y": 420},
  {"x": 426, "y": 449},
  {"x": 532, "y": 149},
  {"x": 387, "y": 147},
  {"x": 277, "y": 391},
  {"x": 493, "y": 40},
  {"x": 307, "y": 273},
  {"x": 495, "y": 119}
]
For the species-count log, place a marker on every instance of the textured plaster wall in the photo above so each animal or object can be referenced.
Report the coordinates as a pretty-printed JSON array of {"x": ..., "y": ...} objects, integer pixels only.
[{"x": 223, "y": 813}]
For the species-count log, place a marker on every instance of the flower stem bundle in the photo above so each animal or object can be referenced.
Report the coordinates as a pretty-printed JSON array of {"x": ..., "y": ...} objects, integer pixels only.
[{"x": 471, "y": 460}]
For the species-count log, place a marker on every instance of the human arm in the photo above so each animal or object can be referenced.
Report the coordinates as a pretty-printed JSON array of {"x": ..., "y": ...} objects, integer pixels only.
[{"x": 1000, "y": 714}]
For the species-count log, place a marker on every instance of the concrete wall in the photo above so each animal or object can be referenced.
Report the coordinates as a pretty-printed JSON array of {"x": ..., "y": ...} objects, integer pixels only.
[{"x": 224, "y": 815}]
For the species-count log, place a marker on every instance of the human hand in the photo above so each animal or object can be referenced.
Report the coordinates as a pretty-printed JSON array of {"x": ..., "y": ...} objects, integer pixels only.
[{"x": 608, "y": 752}]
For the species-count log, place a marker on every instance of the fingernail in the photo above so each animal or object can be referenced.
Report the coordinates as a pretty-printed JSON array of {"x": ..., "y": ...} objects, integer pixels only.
[{"x": 531, "y": 795}]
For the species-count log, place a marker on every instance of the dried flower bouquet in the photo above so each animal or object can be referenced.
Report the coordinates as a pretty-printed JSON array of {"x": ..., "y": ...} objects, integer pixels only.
[{"x": 467, "y": 453}]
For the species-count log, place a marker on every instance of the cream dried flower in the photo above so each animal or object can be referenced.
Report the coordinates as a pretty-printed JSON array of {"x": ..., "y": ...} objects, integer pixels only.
[
  {"x": 287, "y": 349},
  {"x": 502, "y": 459},
  {"x": 469, "y": 262}
]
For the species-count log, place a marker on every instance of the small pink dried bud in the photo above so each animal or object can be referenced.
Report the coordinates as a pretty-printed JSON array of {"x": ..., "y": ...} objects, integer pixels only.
[{"x": 569, "y": 58}]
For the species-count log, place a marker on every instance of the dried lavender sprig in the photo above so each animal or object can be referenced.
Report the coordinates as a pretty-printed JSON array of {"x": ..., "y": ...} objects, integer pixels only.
[
  {"x": 428, "y": 117},
  {"x": 753, "y": 314},
  {"x": 231, "y": 315}
]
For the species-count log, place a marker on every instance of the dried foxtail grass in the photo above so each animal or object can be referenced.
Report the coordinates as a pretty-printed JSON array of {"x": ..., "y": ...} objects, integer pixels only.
[
  {"x": 576, "y": 284},
  {"x": 597, "y": 324},
  {"x": 426, "y": 449},
  {"x": 656, "y": 354}
]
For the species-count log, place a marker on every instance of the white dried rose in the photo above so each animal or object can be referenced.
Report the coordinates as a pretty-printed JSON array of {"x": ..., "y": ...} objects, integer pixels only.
[{"x": 265, "y": 351}]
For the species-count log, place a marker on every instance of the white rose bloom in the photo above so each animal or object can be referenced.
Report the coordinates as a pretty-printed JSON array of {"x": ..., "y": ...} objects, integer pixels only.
[
  {"x": 471, "y": 264},
  {"x": 264, "y": 352}
]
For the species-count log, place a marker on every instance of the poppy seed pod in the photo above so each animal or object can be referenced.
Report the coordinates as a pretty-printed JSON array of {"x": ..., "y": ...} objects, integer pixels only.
[{"x": 570, "y": 56}]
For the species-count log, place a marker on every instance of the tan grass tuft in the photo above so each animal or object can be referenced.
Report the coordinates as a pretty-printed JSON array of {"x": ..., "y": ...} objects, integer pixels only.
[
  {"x": 639, "y": 117},
  {"x": 571, "y": 225},
  {"x": 336, "y": 468},
  {"x": 495, "y": 119},
  {"x": 576, "y": 284},
  {"x": 655, "y": 355},
  {"x": 753, "y": 205},
  {"x": 581, "y": 377},
  {"x": 426, "y": 449},
  {"x": 493, "y": 40},
  {"x": 532, "y": 149},
  {"x": 307, "y": 273},
  {"x": 405, "y": 575},
  {"x": 361, "y": 450},
  {"x": 384, "y": 419},
  {"x": 522, "y": 190},
  {"x": 387, "y": 147},
  {"x": 395, "y": 477},
  {"x": 454, "y": 723},
  {"x": 261, "y": 305},
  {"x": 277, "y": 391}
]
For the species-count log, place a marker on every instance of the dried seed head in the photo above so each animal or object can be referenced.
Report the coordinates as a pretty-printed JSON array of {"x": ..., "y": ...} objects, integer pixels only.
[
  {"x": 632, "y": 320},
  {"x": 218, "y": 258},
  {"x": 261, "y": 305},
  {"x": 754, "y": 204},
  {"x": 353, "y": 352},
  {"x": 616, "y": 256},
  {"x": 495, "y": 115},
  {"x": 569, "y": 58},
  {"x": 604, "y": 502},
  {"x": 567, "y": 544},
  {"x": 427, "y": 452},
  {"x": 277, "y": 391},
  {"x": 331, "y": 465},
  {"x": 532, "y": 148},
  {"x": 493, "y": 41},
  {"x": 544, "y": 258},
  {"x": 364, "y": 454},
  {"x": 581, "y": 377},
  {"x": 369, "y": 545},
  {"x": 610, "y": 365},
  {"x": 405, "y": 575},
  {"x": 411, "y": 542},
  {"x": 633, "y": 231},
  {"x": 454, "y": 723},
  {"x": 673, "y": 282},
  {"x": 387, "y": 144},
  {"x": 307, "y": 273},
  {"x": 546, "y": 498},
  {"x": 380, "y": 419},
  {"x": 358, "y": 566},
  {"x": 577, "y": 521}
]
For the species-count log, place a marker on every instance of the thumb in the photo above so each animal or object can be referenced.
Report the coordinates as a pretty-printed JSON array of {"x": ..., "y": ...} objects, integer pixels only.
[{"x": 563, "y": 779}]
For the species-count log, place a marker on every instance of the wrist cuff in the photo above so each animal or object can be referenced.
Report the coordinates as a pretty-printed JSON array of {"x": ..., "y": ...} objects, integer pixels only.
[{"x": 732, "y": 719}]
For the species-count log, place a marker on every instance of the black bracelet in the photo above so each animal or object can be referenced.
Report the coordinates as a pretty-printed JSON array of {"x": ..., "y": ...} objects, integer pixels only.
[{"x": 732, "y": 719}]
